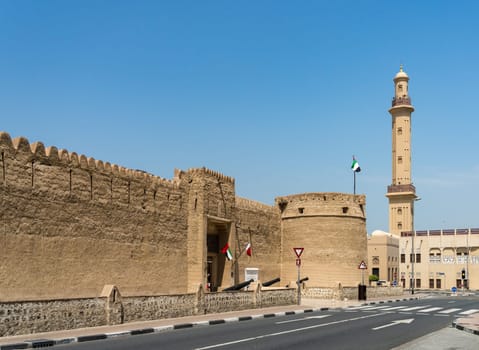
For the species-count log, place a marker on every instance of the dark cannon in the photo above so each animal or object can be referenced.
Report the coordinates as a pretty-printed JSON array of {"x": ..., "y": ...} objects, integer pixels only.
[
  {"x": 238, "y": 286},
  {"x": 303, "y": 279},
  {"x": 269, "y": 283}
]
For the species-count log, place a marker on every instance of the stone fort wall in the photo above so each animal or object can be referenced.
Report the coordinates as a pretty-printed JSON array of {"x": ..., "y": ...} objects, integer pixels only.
[
  {"x": 259, "y": 224},
  {"x": 70, "y": 224}
]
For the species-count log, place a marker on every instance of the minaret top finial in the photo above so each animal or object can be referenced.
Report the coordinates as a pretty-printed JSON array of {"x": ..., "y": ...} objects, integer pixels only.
[{"x": 401, "y": 74}]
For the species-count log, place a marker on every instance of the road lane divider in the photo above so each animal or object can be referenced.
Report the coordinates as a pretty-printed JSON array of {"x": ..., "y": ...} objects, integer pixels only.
[{"x": 303, "y": 319}]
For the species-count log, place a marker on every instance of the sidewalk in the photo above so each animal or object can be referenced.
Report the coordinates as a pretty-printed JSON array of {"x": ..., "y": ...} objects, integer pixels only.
[{"x": 470, "y": 324}]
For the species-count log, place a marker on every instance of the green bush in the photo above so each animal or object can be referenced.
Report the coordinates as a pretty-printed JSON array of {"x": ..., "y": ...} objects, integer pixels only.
[{"x": 373, "y": 278}]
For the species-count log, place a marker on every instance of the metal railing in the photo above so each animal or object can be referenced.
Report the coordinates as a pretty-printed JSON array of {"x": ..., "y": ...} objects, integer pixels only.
[{"x": 401, "y": 101}]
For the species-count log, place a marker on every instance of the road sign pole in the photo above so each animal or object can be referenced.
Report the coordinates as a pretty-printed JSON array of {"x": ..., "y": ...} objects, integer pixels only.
[
  {"x": 299, "y": 284},
  {"x": 298, "y": 252}
]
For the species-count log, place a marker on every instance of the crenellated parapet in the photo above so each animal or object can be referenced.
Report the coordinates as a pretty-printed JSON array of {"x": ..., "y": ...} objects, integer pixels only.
[
  {"x": 205, "y": 171},
  {"x": 248, "y": 204},
  {"x": 62, "y": 173},
  {"x": 322, "y": 204},
  {"x": 21, "y": 149}
]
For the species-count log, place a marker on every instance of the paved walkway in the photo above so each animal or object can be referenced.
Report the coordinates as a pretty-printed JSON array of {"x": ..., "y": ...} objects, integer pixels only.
[{"x": 469, "y": 324}]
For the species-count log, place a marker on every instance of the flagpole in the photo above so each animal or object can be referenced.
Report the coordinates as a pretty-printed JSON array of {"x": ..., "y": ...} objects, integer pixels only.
[{"x": 354, "y": 183}]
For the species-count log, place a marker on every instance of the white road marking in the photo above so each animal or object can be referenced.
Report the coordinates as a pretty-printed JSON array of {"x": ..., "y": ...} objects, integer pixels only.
[
  {"x": 431, "y": 309},
  {"x": 468, "y": 312},
  {"x": 394, "y": 323},
  {"x": 415, "y": 308},
  {"x": 394, "y": 308},
  {"x": 366, "y": 307},
  {"x": 376, "y": 307},
  {"x": 303, "y": 319},
  {"x": 448, "y": 311},
  {"x": 285, "y": 332}
]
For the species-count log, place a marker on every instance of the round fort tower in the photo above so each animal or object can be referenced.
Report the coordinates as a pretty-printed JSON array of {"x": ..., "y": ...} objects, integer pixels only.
[{"x": 331, "y": 227}]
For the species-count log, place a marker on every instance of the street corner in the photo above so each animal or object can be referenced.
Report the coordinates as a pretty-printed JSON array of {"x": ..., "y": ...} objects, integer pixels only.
[{"x": 468, "y": 324}]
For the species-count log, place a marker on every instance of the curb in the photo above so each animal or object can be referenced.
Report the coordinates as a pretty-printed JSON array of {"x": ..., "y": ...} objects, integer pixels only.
[
  {"x": 42, "y": 343},
  {"x": 465, "y": 329}
]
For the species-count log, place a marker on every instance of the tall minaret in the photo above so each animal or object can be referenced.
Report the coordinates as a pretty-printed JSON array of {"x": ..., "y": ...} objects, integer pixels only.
[{"x": 401, "y": 192}]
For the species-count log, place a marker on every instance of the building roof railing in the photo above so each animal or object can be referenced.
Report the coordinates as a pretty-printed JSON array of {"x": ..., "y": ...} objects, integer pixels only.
[{"x": 442, "y": 232}]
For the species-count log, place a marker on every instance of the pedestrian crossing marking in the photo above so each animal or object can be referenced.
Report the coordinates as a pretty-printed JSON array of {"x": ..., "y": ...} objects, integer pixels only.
[
  {"x": 415, "y": 308},
  {"x": 394, "y": 308},
  {"x": 469, "y": 312},
  {"x": 431, "y": 309},
  {"x": 448, "y": 311},
  {"x": 374, "y": 307},
  {"x": 418, "y": 309},
  {"x": 407, "y": 309}
]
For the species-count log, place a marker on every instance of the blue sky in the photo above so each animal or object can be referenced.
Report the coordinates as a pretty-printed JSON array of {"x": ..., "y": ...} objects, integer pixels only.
[{"x": 277, "y": 94}]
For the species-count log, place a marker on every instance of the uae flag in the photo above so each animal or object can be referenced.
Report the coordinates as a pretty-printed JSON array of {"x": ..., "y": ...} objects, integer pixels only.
[
  {"x": 227, "y": 251},
  {"x": 355, "y": 166},
  {"x": 248, "y": 249}
]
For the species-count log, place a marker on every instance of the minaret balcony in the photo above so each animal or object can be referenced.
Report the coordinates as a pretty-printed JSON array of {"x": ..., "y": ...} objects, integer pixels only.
[
  {"x": 398, "y": 101},
  {"x": 401, "y": 188}
]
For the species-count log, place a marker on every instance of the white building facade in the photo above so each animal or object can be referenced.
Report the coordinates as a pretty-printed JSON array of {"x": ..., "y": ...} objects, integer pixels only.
[{"x": 439, "y": 259}]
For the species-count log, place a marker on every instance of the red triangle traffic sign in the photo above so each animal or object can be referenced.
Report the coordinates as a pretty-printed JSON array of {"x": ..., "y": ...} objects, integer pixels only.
[{"x": 298, "y": 251}]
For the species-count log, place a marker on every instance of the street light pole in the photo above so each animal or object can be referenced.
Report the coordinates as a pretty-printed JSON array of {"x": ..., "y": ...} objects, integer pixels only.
[
  {"x": 413, "y": 253},
  {"x": 413, "y": 257},
  {"x": 467, "y": 260}
]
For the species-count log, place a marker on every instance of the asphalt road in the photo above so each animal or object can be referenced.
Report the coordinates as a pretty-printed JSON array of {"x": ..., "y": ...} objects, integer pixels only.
[{"x": 379, "y": 326}]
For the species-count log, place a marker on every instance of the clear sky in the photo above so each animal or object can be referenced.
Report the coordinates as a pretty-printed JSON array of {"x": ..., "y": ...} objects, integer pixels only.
[{"x": 277, "y": 94}]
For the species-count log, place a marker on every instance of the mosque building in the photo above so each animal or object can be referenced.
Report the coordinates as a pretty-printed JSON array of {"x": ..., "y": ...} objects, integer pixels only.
[{"x": 426, "y": 259}]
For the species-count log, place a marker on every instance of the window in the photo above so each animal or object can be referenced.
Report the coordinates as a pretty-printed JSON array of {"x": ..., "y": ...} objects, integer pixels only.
[
  {"x": 399, "y": 225},
  {"x": 438, "y": 283},
  {"x": 399, "y": 131},
  {"x": 411, "y": 258},
  {"x": 434, "y": 255},
  {"x": 301, "y": 210},
  {"x": 431, "y": 283},
  {"x": 399, "y": 211},
  {"x": 403, "y": 258},
  {"x": 418, "y": 283},
  {"x": 418, "y": 257},
  {"x": 399, "y": 160}
]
